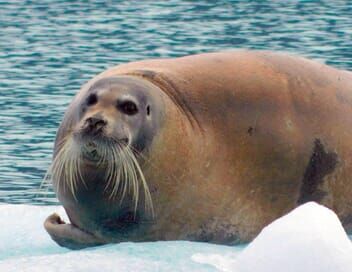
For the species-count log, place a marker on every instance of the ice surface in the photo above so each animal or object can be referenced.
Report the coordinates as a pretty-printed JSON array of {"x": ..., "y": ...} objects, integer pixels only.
[
  {"x": 310, "y": 238},
  {"x": 22, "y": 232},
  {"x": 25, "y": 246}
]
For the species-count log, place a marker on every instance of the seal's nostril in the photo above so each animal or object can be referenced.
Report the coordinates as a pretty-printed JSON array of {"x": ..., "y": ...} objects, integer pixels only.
[{"x": 94, "y": 122}]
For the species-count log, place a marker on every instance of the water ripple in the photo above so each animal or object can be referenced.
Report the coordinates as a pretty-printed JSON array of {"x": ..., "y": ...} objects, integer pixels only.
[{"x": 48, "y": 49}]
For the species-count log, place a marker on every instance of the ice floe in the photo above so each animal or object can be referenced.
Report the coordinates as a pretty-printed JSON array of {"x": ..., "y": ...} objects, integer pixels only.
[
  {"x": 310, "y": 238},
  {"x": 25, "y": 246}
]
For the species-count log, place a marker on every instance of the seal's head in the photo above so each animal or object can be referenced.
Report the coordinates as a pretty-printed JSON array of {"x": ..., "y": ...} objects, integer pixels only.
[
  {"x": 101, "y": 144},
  {"x": 116, "y": 109}
]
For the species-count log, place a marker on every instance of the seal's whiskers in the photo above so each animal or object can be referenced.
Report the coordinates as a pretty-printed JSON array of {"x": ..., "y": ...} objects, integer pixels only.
[
  {"x": 139, "y": 175},
  {"x": 123, "y": 172},
  {"x": 66, "y": 167}
]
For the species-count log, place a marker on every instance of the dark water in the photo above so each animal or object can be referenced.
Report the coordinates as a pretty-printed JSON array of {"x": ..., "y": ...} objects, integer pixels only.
[{"x": 48, "y": 49}]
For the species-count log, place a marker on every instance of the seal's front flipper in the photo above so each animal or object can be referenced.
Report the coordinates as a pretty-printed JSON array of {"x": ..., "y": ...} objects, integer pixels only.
[{"x": 67, "y": 235}]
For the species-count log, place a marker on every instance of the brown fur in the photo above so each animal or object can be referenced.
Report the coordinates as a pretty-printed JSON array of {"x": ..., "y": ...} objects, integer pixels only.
[
  {"x": 247, "y": 179},
  {"x": 238, "y": 139}
]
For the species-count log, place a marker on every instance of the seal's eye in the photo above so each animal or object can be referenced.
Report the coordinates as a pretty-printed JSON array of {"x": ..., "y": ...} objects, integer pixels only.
[
  {"x": 128, "y": 107},
  {"x": 92, "y": 99}
]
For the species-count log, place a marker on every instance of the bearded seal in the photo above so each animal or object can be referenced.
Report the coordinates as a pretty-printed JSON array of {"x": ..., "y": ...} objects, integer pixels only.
[{"x": 209, "y": 147}]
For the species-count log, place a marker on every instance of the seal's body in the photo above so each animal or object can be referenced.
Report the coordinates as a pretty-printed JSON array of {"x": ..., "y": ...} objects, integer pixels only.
[{"x": 234, "y": 141}]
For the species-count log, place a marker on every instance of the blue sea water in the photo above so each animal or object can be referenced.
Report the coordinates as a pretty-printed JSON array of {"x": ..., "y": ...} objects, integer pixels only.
[{"x": 48, "y": 49}]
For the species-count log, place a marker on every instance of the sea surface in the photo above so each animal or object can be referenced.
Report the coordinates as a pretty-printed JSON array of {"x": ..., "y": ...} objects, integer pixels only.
[{"x": 48, "y": 49}]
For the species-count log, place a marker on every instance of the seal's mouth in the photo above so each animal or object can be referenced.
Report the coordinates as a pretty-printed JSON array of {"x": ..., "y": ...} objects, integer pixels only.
[
  {"x": 92, "y": 143},
  {"x": 92, "y": 148},
  {"x": 91, "y": 152}
]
